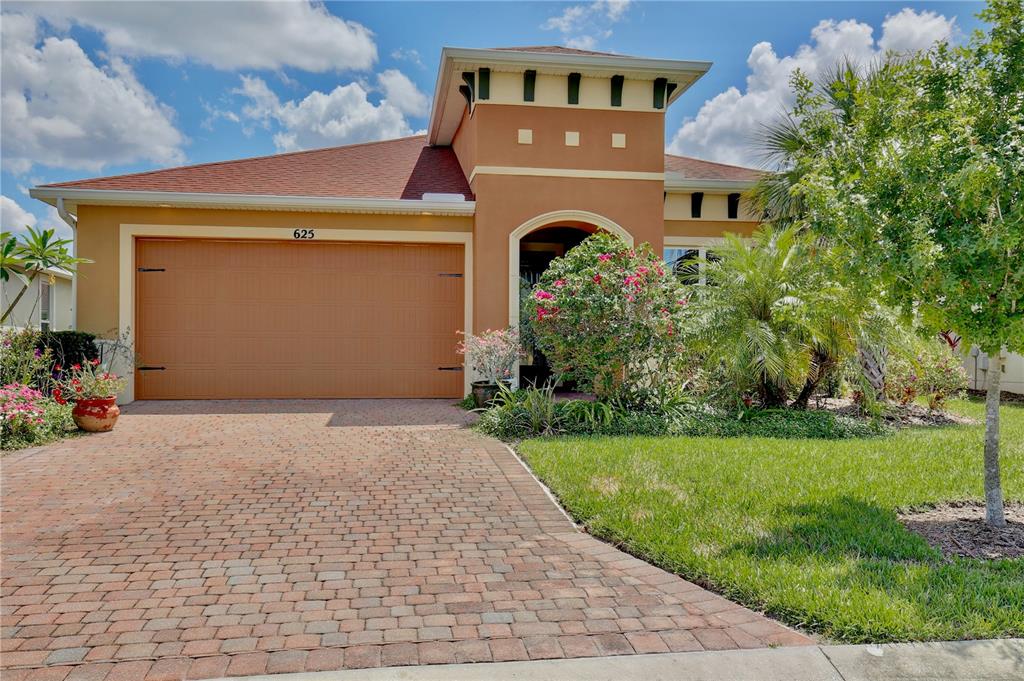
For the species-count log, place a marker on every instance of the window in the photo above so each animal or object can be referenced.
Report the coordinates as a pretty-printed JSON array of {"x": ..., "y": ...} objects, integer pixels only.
[
  {"x": 734, "y": 206},
  {"x": 696, "y": 200},
  {"x": 617, "y": 82},
  {"x": 574, "y": 88},
  {"x": 45, "y": 306},
  {"x": 687, "y": 262},
  {"x": 529, "y": 84}
]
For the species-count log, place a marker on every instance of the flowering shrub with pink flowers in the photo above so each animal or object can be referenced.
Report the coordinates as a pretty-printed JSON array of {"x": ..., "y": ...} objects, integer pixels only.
[
  {"x": 608, "y": 315},
  {"x": 21, "y": 408},
  {"x": 86, "y": 381},
  {"x": 492, "y": 355}
]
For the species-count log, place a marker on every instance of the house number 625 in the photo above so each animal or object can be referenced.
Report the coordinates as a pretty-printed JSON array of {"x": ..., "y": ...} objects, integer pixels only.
[{"x": 304, "y": 234}]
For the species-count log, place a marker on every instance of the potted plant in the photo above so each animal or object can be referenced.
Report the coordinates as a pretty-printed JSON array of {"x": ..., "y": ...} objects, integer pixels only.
[
  {"x": 491, "y": 357},
  {"x": 94, "y": 392}
]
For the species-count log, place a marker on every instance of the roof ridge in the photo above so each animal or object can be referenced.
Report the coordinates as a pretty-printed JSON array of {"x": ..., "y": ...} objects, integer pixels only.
[
  {"x": 717, "y": 163},
  {"x": 208, "y": 164}
]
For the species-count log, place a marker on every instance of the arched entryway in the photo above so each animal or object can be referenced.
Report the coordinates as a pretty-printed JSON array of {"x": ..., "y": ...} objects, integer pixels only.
[{"x": 536, "y": 242}]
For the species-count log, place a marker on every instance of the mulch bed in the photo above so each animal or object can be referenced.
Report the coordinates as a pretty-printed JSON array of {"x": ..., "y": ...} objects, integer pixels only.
[
  {"x": 897, "y": 415},
  {"x": 959, "y": 529}
]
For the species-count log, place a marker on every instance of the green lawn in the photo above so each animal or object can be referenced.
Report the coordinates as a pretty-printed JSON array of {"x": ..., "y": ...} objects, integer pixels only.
[{"x": 804, "y": 529}]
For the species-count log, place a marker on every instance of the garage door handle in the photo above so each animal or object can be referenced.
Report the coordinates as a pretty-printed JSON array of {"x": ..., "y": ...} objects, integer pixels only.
[
  {"x": 152, "y": 269},
  {"x": 152, "y": 368},
  {"x": 450, "y": 274},
  {"x": 449, "y": 368}
]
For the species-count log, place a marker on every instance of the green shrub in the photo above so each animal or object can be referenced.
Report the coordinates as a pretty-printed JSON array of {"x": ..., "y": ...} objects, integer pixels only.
[
  {"x": 928, "y": 369},
  {"x": 69, "y": 347},
  {"x": 515, "y": 414},
  {"x": 49, "y": 422},
  {"x": 609, "y": 316},
  {"x": 21, "y": 362},
  {"x": 777, "y": 423}
]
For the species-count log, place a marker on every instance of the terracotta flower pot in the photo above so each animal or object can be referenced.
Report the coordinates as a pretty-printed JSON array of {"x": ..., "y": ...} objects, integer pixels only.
[{"x": 96, "y": 415}]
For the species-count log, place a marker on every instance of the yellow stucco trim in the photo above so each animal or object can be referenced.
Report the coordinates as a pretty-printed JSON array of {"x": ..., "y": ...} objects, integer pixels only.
[
  {"x": 566, "y": 172},
  {"x": 129, "y": 232}
]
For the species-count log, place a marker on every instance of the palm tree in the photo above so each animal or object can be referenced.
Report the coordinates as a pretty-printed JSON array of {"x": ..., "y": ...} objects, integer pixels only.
[
  {"x": 769, "y": 316},
  {"x": 777, "y": 194}
]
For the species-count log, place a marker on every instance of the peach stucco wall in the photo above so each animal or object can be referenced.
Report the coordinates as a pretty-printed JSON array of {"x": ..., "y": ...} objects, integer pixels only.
[
  {"x": 99, "y": 230},
  {"x": 497, "y": 126},
  {"x": 504, "y": 202}
]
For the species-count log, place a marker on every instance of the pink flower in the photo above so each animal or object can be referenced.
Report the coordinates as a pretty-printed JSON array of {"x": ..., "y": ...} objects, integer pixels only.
[
  {"x": 642, "y": 270},
  {"x": 543, "y": 295},
  {"x": 630, "y": 298},
  {"x": 559, "y": 283},
  {"x": 597, "y": 278},
  {"x": 604, "y": 257}
]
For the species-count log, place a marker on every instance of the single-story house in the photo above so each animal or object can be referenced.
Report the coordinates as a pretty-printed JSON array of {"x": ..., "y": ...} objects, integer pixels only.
[
  {"x": 348, "y": 271},
  {"x": 46, "y": 305},
  {"x": 977, "y": 365}
]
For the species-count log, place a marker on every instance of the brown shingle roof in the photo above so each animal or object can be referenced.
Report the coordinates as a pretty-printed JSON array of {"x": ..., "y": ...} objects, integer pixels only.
[
  {"x": 696, "y": 169},
  {"x": 557, "y": 49},
  {"x": 403, "y": 168}
]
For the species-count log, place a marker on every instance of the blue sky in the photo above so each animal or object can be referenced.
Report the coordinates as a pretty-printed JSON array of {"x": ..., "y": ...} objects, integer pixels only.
[{"x": 100, "y": 88}]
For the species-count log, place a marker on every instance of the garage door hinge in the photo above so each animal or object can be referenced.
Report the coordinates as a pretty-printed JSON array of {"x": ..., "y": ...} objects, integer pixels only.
[
  {"x": 449, "y": 368},
  {"x": 152, "y": 368},
  {"x": 450, "y": 274},
  {"x": 152, "y": 269}
]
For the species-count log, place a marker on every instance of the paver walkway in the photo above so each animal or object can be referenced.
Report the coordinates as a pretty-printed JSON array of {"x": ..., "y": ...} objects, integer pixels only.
[{"x": 209, "y": 539}]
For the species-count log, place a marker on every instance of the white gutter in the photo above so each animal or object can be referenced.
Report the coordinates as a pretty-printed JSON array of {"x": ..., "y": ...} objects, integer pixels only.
[
  {"x": 73, "y": 224},
  {"x": 119, "y": 197}
]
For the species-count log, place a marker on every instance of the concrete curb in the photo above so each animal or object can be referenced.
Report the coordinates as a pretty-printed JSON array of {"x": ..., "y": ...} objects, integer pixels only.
[{"x": 989, "y": 660}]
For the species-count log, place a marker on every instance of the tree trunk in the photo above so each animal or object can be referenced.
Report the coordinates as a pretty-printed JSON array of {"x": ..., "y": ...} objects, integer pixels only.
[
  {"x": 821, "y": 367},
  {"x": 872, "y": 363},
  {"x": 993, "y": 488}
]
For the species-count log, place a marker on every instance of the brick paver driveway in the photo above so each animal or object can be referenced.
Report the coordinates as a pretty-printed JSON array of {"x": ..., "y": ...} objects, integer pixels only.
[{"x": 205, "y": 539}]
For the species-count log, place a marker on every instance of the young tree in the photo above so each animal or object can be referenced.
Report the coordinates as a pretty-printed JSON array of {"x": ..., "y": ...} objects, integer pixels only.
[
  {"x": 921, "y": 188},
  {"x": 31, "y": 255}
]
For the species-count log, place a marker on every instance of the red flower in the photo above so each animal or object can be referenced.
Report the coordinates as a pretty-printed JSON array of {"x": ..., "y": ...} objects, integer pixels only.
[
  {"x": 95, "y": 362},
  {"x": 56, "y": 367},
  {"x": 76, "y": 366},
  {"x": 543, "y": 295},
  {"x": 604, "y": 257},
  {"x": 58, "y": 398},
  {"x": 597, "y": 278}
]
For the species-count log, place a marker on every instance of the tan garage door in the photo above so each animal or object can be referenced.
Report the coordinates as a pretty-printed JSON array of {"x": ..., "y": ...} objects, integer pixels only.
[{"x": 270, "y": 319}]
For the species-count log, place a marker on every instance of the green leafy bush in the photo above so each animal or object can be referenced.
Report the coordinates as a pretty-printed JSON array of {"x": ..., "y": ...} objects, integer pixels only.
[
  {"x": 928, "y": 370},
  {"x": 28, "y": 418},
  {"x": 21, "y": 361},
  {"x": 69, "y": 347},
  {"x": 608, "y": 315},
  {"x": 778, "y": 423},
  {"x": 533, "y": 412}
]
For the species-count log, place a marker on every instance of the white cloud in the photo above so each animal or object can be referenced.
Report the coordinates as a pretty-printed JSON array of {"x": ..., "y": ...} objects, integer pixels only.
[
  {"x": 13, "y": 217},
  {"x": 582, "y": 26},
  {"x": 60, "y": 109},
  {"x": 726, "y": 127},
  {"x": 226, "y": 35},
  {"x": 409, "y": 55},
  {"x": 343, "y": 116},
  {"x": 908, "y": 30},
  {"x": 403, "y": 93}
]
